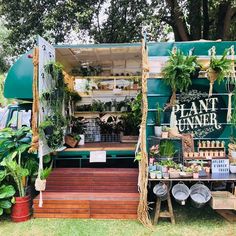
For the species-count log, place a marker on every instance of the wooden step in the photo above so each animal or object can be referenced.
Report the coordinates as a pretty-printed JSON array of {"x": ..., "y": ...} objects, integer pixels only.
[
  {"x": 87, "y": 205},
  {"x": 101, "y": 193}
]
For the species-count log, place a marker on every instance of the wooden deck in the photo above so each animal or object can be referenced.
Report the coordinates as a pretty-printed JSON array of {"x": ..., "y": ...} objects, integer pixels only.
[
  {"x": 103, "y": 146},
  {"x": 103, "y": 193}
]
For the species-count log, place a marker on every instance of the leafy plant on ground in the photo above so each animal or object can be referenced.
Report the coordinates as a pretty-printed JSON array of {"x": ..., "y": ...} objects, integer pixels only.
[
  {"x": 17, "y": 172},
  {"x": 7, "y": 192},
  {"x": 14, "y": 142}
]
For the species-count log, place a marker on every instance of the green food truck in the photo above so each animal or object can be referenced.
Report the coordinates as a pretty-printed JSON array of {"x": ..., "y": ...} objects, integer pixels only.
[{"x": 91, "y": 100}]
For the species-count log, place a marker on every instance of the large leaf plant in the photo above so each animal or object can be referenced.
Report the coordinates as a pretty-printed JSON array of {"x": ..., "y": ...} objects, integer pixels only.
[
  {"x": 14, "y": 156},
  {"x": 177, "y": 72},
  {"x": 7, "y": 192}
]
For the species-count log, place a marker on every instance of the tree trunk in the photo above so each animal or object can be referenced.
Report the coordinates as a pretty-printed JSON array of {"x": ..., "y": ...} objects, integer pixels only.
[
  {"x": 179, "y": 25},
  {"x": 225, "y": 13},
  {"x": 206, "y": 22},
  {"x": 193, "y": 19}
]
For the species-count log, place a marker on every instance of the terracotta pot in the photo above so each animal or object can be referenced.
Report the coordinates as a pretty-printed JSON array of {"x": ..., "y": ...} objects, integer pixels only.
[
  {"x": 164, "y": 134},
  {"x": 196, "y": 175},
  {"x": 21, "y": 209}
]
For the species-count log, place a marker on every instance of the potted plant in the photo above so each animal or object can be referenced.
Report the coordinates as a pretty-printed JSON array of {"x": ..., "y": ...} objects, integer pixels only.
[
  {"x": 232, "y": 148},
  {"x": 78, "y": 128},
  {"x": 167, "y": 149},
  {"x": 232, "y": 167},
  {"x": 131, "y": 120},
  {"x": 21, "y": 208},
  {"x": 18, "y": 165},
  {"x": 158, "y": 174},
  {"x": 157, "y": 127},
  {"x": 177, "y": 72},
  {"x": 152, "y": 174},
  {"x": 40, "y": 183},
  {"x": 165, "y": 132},
  {"x": 218, "y": 69},
  {"x": 196, "y": 173},
  {"x": 154, "y": 151},
  {"x": 7, "y": 192},
  {"x": 47, "y": 126},
  {"x": 52, "y": 130}
]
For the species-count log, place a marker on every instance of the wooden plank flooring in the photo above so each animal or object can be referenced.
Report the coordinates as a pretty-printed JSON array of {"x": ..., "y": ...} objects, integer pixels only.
[
  {"x": 101, "y": 193},
  {"x": 104, "y": 147}
]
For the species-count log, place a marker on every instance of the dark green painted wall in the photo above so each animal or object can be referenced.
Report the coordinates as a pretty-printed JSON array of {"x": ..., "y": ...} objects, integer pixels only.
[{"x": 159, "y": 92}]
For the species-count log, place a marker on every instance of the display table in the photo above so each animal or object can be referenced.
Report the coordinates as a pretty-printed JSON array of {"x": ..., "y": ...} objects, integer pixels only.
[{"x": 210, "y": 177}]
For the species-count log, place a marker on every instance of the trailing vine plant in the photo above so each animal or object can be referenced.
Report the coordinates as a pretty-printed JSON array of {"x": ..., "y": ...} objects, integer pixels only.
[{"x": 53, "y": 124}]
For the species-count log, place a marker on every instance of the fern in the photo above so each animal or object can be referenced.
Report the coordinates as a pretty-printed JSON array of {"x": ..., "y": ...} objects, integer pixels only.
[
  {"x": 178, "y": 70},
  {"x": 221, "y": 66}
]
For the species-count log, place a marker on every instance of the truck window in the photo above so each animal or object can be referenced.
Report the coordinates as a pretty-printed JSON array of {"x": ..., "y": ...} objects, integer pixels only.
[
  {"x": 3, "y": 117},
  {"x": 25, "y": 118},
  {"x": 13, "y": 122}
]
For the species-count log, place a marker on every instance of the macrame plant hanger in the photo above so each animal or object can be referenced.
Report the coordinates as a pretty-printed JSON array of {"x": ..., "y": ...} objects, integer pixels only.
[
  {"x": 230, "y": 85},
  {"x": 211, "y": 75}
]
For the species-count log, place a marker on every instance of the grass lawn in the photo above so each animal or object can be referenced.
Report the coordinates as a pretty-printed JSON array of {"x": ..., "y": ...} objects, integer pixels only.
[{"x": 189, "y": 221}]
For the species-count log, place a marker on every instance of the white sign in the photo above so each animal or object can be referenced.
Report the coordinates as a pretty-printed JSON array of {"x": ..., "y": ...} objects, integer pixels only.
[
  {"x": 220, "y": 166},
  {"x": 98, "y": 156},
  {"x": 46, "y": 55}
]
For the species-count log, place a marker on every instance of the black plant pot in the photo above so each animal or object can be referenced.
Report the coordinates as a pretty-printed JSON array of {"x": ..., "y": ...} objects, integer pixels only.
[
  {"x": 231, "y": 87},
  {"x": 48, "y": 130},
  {"x": 50, "y": 69},
  {"x": 195, "y": 74},
  {"x": 46, "y": 96}
]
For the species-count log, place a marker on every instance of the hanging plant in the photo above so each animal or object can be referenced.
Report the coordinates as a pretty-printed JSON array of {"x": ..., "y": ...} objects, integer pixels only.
[
  {"x": 218, "y": 69},
  {"x": 178, "y": 71},
  {"x": 52, "y": 129}
]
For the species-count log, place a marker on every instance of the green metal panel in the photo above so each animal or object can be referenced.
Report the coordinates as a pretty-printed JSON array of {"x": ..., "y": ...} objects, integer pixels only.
[
  {"x": 200, "y": 48},
  {"x": 159, "y": 92},
  {"x": 18, "y": 84},
  {"x": 87, "y": 153}
]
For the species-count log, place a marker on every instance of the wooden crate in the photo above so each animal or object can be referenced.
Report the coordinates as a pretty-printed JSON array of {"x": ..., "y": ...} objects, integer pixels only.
[{"x": 223, "y": 200}]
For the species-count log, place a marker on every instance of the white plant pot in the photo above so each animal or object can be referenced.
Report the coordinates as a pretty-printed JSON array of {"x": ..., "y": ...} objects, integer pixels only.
[
  {"x": 158, "y": 131},
  {"x": 152, "y": 175},
  {"x": 232, "y": 169},
  {"x": 233, "y": 154},
  {"x": 81, "y": 142}
]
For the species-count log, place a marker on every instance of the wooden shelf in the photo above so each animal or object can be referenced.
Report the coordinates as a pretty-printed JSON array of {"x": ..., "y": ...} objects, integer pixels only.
[
  {"x": 98, "y": 112},
  {"x": 110, "y": 77},
  {"x": 204, "y": 159}
]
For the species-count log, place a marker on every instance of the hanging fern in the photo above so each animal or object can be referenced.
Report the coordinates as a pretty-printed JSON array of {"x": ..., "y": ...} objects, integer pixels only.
[
  {"x": 178, "y": 71},
  {"x": 222, "y": 66}
]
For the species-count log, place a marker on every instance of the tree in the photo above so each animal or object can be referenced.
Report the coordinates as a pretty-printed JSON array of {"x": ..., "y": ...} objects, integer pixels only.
[
  {"x": 3, "y": 53},
  {"x": 53, "y": 19},
  {"x": 114, "y": 21},
  {"x": 123, "y": 23},
  {"x": 198, "y": 19}
]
